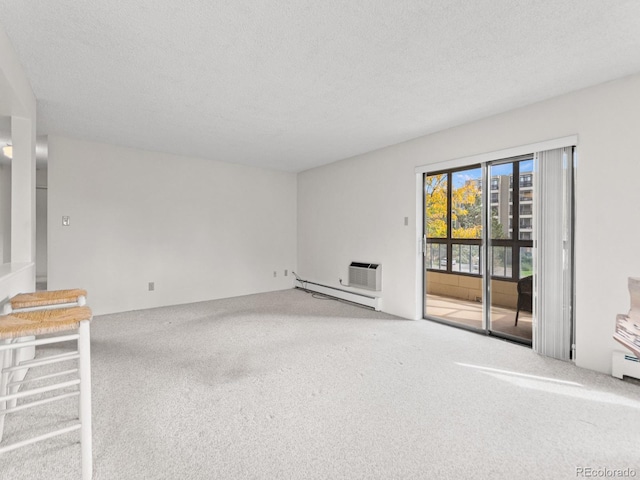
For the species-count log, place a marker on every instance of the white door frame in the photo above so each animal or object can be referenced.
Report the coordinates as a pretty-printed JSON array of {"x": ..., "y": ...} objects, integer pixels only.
[{"x": 571, "y": 140}]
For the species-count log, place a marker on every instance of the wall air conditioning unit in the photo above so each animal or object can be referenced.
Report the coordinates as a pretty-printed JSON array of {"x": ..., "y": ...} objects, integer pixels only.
[{"x": 365, "y": 275}]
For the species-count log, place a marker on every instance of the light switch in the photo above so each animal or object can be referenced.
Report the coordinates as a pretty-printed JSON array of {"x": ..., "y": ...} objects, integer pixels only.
[{"x": 66, "y": 221}]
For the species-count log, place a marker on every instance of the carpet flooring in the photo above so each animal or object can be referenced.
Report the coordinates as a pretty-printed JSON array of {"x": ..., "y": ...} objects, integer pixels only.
[{"x": 284, "y": 385}]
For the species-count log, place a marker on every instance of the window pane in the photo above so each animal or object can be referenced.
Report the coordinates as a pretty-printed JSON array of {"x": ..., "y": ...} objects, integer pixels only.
[
  {"x": 501, "y": 264},
  {"x": 436, "y": 187},
  {"x": 526, "y": 261},
  {"x": 527, "y": 178},
  {"x": 525, "y": 223},
  {"x": 436, "y": 256},
  {"x": 466, "y": 207},
  {"x": 501, "y": 206},
  {"x": 459, "y": 254},
  {"x": 526, "y": 195},
  {"x": 466, "y": 258}
]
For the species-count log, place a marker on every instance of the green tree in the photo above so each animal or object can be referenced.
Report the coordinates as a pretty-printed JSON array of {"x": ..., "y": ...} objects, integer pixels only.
[{"x": 497, "y": 231}]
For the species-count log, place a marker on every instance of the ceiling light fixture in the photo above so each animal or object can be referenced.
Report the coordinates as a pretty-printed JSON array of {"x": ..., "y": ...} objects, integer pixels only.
[{"x": 7, "y": 151}]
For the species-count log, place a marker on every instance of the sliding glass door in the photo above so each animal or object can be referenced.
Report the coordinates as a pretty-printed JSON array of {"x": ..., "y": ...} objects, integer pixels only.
[
  {"x": 511, "y": 233},
  {"x": 454, "y": 212},
  {"x": 498, "y": 248},
  {"x": 479, "y": 247}
]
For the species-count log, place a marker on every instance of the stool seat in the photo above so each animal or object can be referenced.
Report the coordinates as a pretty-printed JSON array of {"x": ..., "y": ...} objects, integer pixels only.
[
  {"x": 46, "y": 298},
  {"x": 41, "y": 322}
]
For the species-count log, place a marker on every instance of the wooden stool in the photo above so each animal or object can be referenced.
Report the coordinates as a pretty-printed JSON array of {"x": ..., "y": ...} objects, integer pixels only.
[
  {"x": 59, "y": 325},
  {"x": 25, "y": 302}
]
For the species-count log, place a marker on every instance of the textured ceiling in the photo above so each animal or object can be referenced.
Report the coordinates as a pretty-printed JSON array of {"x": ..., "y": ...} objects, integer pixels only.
[{"x": 293, "y": 84}]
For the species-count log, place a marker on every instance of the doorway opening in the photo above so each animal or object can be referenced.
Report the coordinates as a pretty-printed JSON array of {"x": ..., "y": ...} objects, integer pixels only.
[{"x": 483, "y": 225}]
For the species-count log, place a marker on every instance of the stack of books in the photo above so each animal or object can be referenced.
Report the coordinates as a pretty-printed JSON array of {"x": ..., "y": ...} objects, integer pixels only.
[{"x": 628, "y": 333}]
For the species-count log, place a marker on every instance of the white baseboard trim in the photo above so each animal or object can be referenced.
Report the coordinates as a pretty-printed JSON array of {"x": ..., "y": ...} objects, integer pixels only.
[{"x": 353, "y": 297}]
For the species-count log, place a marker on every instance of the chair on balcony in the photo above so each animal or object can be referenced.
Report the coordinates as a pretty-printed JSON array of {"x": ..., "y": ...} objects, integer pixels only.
[{"x": 525, "y": 296}]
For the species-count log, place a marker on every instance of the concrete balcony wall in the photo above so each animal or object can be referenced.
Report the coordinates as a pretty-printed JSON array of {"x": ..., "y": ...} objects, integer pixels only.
[{"x": 504, "y": 294}]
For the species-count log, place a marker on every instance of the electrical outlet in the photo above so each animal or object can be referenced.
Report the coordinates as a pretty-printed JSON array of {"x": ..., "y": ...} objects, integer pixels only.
[
  {"x": 275, "y": 274},
  {"x": 66, "y": 221},
  {"x": 286, "y": 273},
  {"x": 152, "y": 286},
  {"x": 406, "y": 221}
]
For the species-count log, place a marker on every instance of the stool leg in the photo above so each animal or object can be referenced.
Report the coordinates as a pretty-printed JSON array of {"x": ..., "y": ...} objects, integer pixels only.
[
  {"x": 20, "y": 355},
  {"x": 85, "y": 399},
  {"x": 6, "y": 361}
]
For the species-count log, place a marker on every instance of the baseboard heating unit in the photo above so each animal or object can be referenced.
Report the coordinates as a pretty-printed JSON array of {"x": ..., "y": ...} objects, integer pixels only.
[
  {"x": 353, "y": 297},
  {"x": 625, "y": 365}
]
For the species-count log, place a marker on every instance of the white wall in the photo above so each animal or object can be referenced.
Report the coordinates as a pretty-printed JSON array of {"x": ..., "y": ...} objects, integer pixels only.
[
  {"x": 354, "y": 209},
  {"x": 200, "y": 229},
  {"x": 18, "y": 102}
]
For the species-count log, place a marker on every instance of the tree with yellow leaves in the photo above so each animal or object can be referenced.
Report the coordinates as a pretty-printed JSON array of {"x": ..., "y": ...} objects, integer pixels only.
[
  {"x": 436, "y": 205},
  {"x": 466, "y": 209}
]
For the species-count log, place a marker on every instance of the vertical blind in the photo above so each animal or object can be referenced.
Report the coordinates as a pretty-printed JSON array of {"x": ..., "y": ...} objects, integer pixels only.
[{"x": 553, "y": 253}]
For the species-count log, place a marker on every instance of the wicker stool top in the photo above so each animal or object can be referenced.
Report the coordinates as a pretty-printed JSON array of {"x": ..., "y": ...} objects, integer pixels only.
[
  {"x": 40, "y": 322},
  {"x": 44, "y": 298}
]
